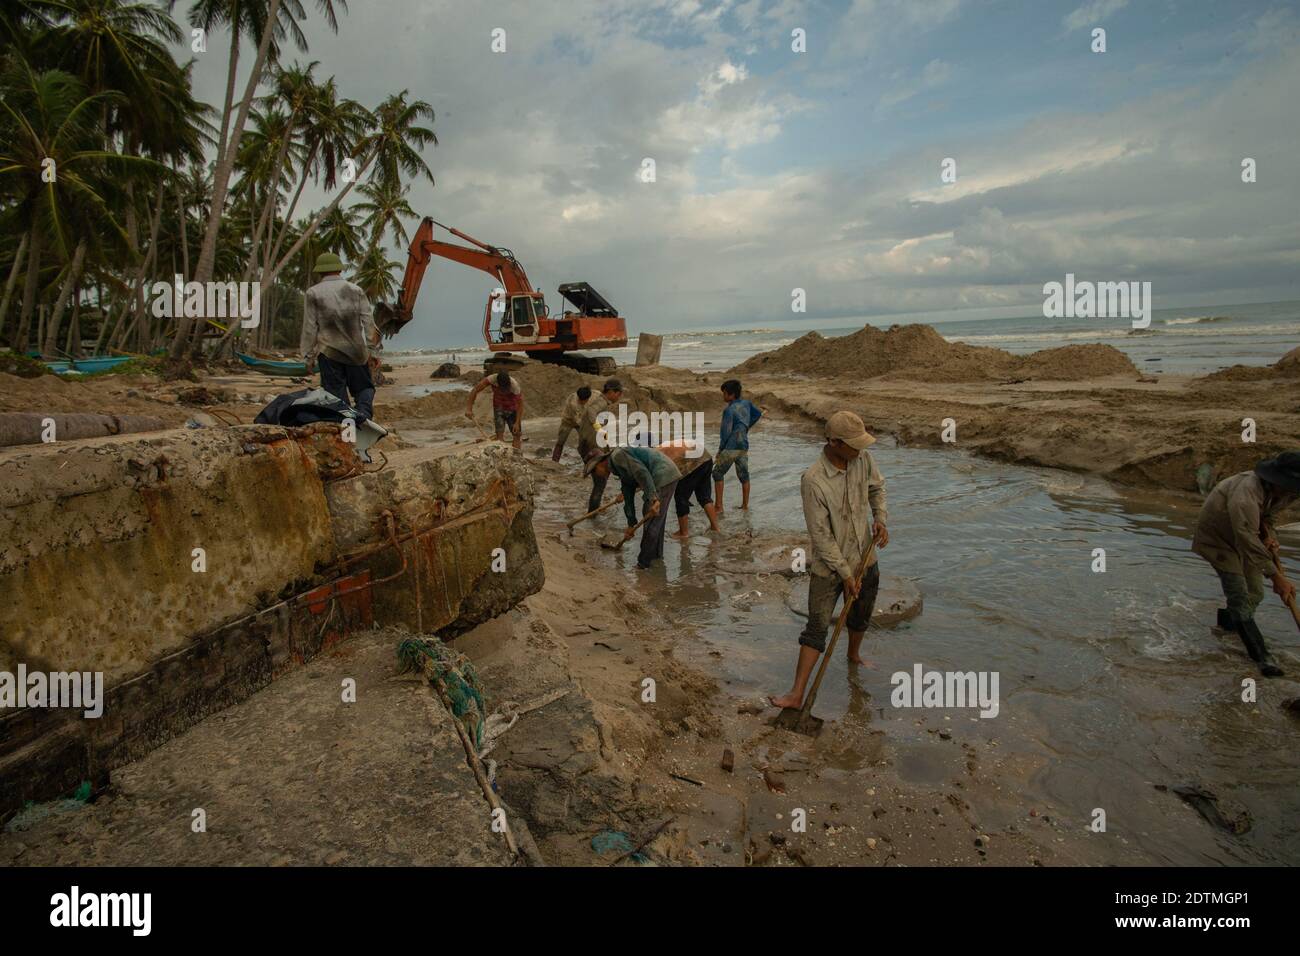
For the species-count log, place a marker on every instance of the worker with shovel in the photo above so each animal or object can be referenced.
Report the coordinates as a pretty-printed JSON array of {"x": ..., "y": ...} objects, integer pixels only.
[
  {"x": 1235, "y": 533},
  {"x": 611, "y": 393},
  {"x": 570, "y": 418},
  {"x": 696, "y": 473},
  {"x": 844, "y": 508},
  {"x": 656, "y": 476}
]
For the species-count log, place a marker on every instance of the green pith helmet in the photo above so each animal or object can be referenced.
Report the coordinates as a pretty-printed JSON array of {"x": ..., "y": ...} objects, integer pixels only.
[{"x": 328, "y": 262}]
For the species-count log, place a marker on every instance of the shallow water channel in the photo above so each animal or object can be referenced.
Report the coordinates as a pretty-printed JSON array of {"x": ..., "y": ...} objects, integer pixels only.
[{"x": 1110, "y": 683}]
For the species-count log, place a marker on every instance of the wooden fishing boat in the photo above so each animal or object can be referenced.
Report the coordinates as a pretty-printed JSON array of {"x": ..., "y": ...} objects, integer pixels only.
[
  {"x": 87, "y": 365},
  {"x": 272, "y": 366}
]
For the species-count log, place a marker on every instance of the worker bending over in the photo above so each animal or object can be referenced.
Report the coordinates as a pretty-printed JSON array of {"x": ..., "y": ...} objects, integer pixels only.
[
  {"x": 1236, "y": 533},
  {"x": 655, "y": 474},
  {"x": 611, "y": 393},
  {"x": 571, "y": 418},
  {"x": 507, "y": 404},
  {"x": 695, "y": 481},
  {"x": 738, "y": 418},
  {"x": 844, "y": 508},
  {"x": 338, "y": 331}
]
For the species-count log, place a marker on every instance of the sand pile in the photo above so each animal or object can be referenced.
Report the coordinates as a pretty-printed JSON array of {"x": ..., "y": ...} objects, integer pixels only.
[
  {"x": 1073, "y": 363},
  {"x": 919, "y": 352},
  {"x": 546, "y": 388},
  {"x": 1288, "y": 366}
]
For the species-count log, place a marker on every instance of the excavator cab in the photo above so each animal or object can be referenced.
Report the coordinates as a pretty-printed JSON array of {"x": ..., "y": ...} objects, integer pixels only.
[{"x": 520, "y": 318}]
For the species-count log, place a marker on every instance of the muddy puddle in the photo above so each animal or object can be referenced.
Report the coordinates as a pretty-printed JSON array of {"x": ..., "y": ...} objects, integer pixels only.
[
  {"x": 420, "y": 389},
  {"x": 1110, "y": 684}
]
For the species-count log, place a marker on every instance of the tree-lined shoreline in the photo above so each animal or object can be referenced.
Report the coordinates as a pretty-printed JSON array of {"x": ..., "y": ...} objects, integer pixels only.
[{"x": 114, "y": 176}]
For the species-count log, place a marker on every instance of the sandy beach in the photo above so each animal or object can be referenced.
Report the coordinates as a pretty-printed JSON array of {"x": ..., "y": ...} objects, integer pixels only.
[{"x": 597, "y": 760}]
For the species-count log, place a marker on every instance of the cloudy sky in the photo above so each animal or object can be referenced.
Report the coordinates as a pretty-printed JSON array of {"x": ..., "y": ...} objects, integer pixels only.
[{"x": 820, "y": 170}]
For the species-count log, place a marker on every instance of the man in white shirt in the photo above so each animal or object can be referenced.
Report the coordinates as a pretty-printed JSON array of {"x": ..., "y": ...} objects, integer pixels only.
[
  {"x": 338, "y": 332},
  {"x": 845, "y": 510}
]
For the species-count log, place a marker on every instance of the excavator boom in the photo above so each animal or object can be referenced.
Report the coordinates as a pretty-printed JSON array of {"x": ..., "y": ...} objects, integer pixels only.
[
  {"x": 516, "y": 316},
  {"x": 498, "y": 263}
]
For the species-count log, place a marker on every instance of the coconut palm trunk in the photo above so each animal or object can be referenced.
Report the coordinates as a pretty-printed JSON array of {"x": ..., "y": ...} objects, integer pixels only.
[
  {"x": 73, "y": 345},
  {"x": 136, "y": 301},
  {"x": 203, "y": 269},
  {"x": 51, "y": 347},
  {"x": 30, "y": 288},
  {"x": 312, "y": 226},
  {"x": 12, "y": 281}
]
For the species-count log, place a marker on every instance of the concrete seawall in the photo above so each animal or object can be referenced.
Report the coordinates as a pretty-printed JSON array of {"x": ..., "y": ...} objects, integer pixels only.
[{"x": 301, "y": 546}]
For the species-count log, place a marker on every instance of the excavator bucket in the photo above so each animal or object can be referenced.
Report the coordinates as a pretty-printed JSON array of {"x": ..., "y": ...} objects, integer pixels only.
[{"x": 389, "y": 318}]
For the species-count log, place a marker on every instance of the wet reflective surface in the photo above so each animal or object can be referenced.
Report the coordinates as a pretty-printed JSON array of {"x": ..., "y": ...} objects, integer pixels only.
[{"x": 1110, "y": 683}]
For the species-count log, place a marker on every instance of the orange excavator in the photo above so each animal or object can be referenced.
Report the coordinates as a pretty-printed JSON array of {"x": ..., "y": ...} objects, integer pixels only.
[{"x": 516, "y": 317}]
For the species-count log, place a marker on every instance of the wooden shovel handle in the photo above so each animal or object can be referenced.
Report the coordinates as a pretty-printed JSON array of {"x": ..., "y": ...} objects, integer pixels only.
[
  {"x": 1281, "y": 575},
  {"x": 591, "y": 514}
]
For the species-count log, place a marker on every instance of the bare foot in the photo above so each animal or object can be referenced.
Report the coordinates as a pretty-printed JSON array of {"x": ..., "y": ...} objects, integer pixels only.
[
  {"x": 786, "y": 700},
  {"x": 678, "y": 535},
  {"x": 859, "y": 659}
]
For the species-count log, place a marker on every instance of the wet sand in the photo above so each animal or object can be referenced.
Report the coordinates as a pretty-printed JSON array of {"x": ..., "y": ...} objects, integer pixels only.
[{"x": 925, "y": 790}]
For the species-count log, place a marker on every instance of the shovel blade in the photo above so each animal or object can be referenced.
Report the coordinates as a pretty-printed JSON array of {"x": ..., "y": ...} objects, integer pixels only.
[
  {"x": 791, "y": 718},
  {"x": 612, "y": 542}
]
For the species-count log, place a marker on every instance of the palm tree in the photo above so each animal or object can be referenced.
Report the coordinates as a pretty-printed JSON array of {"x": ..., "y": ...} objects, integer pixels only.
[
  {"x": 399, "y": 140},
  {"x": 50, "y": 158},
  {"x": 392, "y": 146},
  {"x": 374, "y": 273},
  {"x": 330, "y": 128},
  {"x": 385, "y": 205},
  {"x": 269, "y": 21},
  {"x": 294, "y": 88},
  {"x": 22, "y": 21},
  {"x": 114, "y": 45},
  {"x": 339, "y": 232}
]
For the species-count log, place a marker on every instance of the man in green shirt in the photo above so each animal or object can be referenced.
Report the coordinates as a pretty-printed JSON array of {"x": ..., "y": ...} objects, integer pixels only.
[{"x": 654, "y": 473}]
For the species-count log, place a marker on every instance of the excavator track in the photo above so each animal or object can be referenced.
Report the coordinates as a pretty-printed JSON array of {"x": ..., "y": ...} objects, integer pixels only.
[{"x": 586, "y": 364}]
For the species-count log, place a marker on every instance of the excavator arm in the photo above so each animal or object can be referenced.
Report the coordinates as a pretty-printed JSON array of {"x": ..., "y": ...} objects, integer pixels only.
[{"x": 499, "y": 263}]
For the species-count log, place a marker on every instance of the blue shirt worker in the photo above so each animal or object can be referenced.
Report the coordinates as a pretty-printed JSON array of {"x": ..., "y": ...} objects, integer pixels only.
[
  {"x": 738, "y": 418},
  {"x": 654, "y": 473}
]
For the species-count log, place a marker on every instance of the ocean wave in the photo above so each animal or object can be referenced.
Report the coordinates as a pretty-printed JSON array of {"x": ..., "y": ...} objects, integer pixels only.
[
  {"x": 673, "y": 335},
  {"x": 1198, "y": 320},
  {"x": 1122, "y": 332}
]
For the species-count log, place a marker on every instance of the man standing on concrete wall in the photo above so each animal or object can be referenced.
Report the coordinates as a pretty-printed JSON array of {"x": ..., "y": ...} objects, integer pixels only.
[{"x": 338, "y": 332}]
